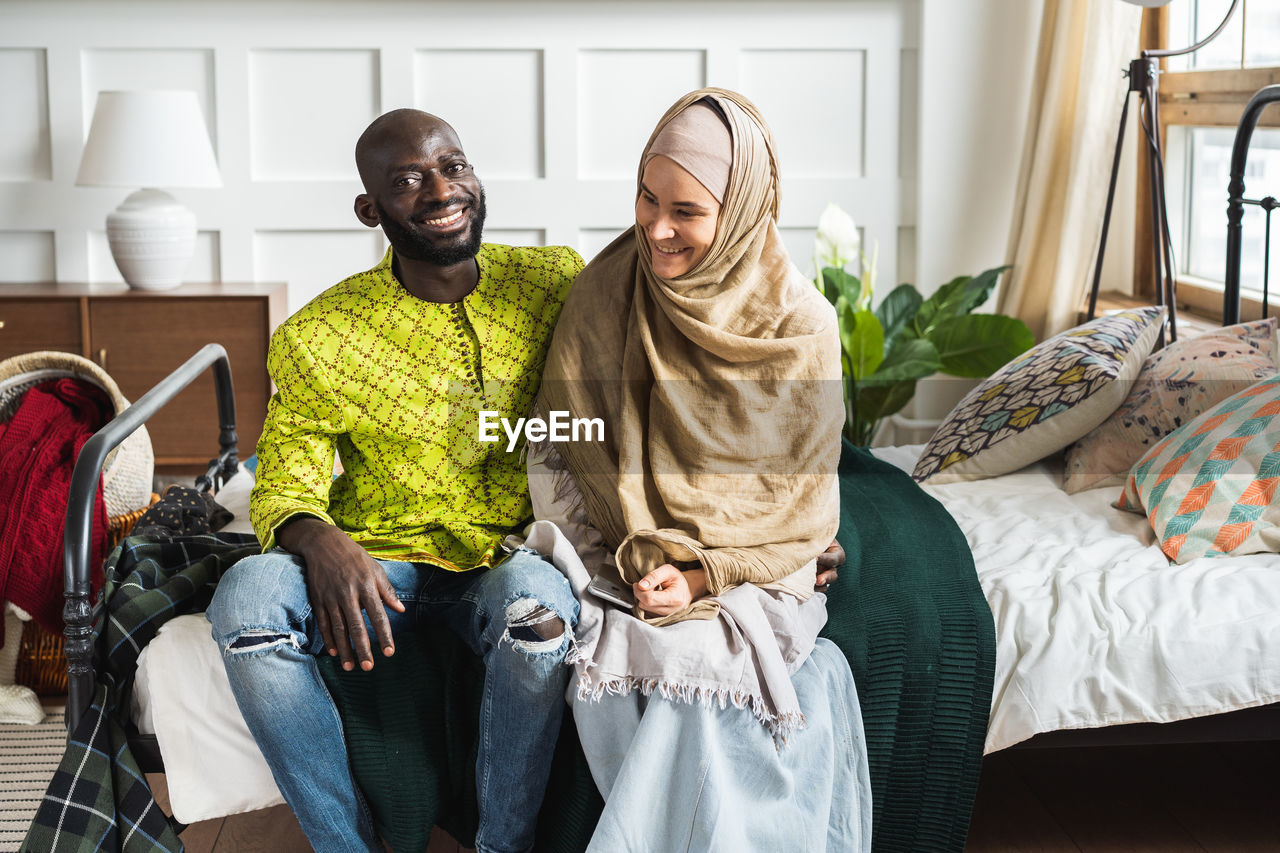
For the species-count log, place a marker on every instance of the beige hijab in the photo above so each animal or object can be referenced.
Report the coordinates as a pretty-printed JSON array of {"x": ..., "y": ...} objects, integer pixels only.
[{"x": 719, "y": 390}]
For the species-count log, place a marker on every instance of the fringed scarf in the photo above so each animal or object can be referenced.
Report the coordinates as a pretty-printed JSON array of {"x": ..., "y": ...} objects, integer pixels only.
[{"x": 720, "y": 394}]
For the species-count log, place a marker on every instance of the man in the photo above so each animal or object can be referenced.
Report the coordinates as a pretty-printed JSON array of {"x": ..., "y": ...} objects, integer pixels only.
[{"x": 390, "y": 369}]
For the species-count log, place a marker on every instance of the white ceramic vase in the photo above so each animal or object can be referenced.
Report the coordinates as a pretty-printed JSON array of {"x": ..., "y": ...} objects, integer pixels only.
[{"x": 152, "y": 239}]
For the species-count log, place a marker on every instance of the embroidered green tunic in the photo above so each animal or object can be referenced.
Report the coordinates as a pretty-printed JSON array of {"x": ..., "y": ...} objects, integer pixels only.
[{"x": 395, "y": 384}]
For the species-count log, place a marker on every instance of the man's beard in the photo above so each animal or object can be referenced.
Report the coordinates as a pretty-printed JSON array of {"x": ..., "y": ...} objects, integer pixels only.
[{"x": 444, "y": 251}]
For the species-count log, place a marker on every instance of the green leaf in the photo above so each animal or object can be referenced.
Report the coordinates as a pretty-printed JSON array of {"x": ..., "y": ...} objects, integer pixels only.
[
  {"x": 908, "y": 360},
  {"x": 832, "y": 293},
  {"x": 896, "y": 311},
  {"x": 977, "y": 345},
  {"x": 955, "y": 299},
  {"x": 978, "y": 288},
  {"x": 942, "y": 303},
  {"x": 862, "y": 340},
  {"x": 838, "y": 282},
  {"x": 879, "y": 401}
]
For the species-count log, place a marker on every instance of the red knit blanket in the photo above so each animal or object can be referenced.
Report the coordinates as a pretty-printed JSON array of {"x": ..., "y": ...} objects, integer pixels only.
[{"x": 38, "y": 449}]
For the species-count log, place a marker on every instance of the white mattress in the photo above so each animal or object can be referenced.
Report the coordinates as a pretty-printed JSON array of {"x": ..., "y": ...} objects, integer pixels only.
[{"x": 1094, "y": 628}]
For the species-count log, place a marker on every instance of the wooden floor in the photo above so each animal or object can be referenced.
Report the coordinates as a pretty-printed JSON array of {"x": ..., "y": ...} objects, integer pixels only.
[{"x": 1221, "y": 798}]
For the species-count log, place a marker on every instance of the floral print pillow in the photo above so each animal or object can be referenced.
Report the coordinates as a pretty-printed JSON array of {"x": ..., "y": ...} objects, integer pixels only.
[
  {"x": 1041, "y": 401},
  {"x": 1175, "y": 385}
]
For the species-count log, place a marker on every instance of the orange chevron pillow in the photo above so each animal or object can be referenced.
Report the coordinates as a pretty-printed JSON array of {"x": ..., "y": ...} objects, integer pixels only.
[{"x": 1209, "y": 487}]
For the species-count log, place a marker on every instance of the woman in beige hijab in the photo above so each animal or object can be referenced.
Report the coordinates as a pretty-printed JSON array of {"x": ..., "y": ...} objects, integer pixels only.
[{"x": 712, "y": 716}]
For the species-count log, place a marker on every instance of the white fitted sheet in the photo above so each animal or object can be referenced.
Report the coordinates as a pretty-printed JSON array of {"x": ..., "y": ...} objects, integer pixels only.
[{"x": 1094, "y": 626}]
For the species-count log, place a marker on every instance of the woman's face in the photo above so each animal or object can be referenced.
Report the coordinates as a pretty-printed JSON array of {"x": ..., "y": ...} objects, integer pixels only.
[{"x": 679, "y": 216}]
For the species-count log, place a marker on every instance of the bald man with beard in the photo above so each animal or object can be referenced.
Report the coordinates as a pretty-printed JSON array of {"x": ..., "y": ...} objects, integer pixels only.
[{"x": 389, "y": 370}]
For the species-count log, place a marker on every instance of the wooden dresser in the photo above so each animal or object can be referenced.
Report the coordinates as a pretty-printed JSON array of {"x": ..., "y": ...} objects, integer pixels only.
[{"x": 138, "y": 337}]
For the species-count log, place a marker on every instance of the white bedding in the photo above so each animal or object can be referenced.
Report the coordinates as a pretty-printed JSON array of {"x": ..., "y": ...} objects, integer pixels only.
[
  {"x": 181, "y": 695},
  {"x": 1094, "y": 628}
]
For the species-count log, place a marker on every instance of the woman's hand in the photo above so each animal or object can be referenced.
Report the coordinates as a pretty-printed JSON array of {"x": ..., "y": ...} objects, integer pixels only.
[
  {"x": 829, "y": 561},
  {"x": 667, "y": 590}
]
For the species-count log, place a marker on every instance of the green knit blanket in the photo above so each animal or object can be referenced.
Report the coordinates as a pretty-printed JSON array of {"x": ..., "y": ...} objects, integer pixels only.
[{"x": 907, "y": 611}]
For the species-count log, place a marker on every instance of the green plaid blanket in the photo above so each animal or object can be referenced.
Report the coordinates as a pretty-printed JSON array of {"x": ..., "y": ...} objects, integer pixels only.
[{"x": 98, "y": 799}]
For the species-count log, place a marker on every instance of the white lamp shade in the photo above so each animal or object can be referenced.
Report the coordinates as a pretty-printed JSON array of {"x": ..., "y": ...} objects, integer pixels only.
[
  {"x": 148, "y": 139},
  {"x": 1148, "y": 3}
]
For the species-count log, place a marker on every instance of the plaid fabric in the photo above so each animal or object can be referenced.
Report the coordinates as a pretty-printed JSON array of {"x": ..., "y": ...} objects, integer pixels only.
[{"x": 98, "y": 799}]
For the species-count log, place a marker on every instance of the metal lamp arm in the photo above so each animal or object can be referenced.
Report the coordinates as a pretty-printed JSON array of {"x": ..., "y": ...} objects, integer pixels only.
[{"x": 1159, "y": 54}]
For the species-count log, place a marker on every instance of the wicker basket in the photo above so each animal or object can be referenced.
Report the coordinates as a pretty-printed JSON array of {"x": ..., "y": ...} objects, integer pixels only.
[
  {"x": 42, "y": 664},
  {"x": 129, "y": 466}
]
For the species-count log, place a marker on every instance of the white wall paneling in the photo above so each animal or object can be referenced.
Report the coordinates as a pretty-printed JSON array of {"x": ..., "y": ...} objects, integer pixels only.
[
  {"x": 306, "y": 109},
  {"x": 592, "y": 240},
  {"x": 612, "y": 127},
  {"x": 27, "y": 256},
  {"x": 553, "y": 101},
  {"x": 310, "y": 261},
  {"x": 24, "y": 102},
  {"x": 818, "y": 127},
  {"x": 498, "y": 111},
  {"x": 516, "y": 236}
]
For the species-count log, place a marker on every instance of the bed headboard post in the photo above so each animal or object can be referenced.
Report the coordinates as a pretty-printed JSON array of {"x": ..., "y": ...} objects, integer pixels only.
[{"x": 1236, "y": 200}]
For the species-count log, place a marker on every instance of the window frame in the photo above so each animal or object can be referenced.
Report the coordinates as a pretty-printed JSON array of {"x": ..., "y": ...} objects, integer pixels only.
[{"x": 1198, "y": 98}]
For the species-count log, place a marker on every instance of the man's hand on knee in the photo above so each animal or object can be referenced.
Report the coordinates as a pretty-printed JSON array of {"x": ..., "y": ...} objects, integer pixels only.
[{"x": 342, "y": 581}]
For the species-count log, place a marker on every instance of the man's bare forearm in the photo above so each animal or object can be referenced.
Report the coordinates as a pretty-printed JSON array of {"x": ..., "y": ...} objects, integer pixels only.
[{"x": 298, "y": 532}]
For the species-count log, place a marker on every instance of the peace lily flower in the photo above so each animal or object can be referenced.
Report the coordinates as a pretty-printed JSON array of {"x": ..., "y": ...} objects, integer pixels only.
[
  {"x": 837, "y": 245},
  {"x": 838, "y": 241}
]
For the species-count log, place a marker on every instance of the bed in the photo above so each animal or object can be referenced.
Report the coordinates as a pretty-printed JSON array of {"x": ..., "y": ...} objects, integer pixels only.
[{"x": 1098, "y": 636}]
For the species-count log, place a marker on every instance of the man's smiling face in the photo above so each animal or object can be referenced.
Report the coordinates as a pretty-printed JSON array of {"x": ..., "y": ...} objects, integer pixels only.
[{"x": 425, "y": 194}]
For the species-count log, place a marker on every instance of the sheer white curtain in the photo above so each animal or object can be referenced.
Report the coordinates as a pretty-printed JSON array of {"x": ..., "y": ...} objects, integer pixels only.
[{"x": 1085, "y": 45}]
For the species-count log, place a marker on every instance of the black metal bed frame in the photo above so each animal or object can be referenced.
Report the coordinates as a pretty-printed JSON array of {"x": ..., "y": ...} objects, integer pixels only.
[
  {"x": 1235, "y": 207},
  {"x": 78, "y": 611}
]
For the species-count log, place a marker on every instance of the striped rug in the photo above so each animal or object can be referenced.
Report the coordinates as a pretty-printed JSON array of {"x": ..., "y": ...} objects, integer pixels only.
[{"x": 28, "y": 757}]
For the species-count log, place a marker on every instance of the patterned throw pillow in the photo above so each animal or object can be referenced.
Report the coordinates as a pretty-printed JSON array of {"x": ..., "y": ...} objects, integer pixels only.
[
  {"x": 1176, "y": 384},
  {"x": 1041, "y": 401},
  {"x": 1207, "y": 487}
]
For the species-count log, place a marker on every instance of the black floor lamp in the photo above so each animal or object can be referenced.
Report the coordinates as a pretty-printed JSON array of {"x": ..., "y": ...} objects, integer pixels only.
[{"x": 1143, "y": 77}]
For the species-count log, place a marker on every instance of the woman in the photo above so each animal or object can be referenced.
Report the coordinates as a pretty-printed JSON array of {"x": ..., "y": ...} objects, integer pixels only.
[{"x": 714, "y": 366}]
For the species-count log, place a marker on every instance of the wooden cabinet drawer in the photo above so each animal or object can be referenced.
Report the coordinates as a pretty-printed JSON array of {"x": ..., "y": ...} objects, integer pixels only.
[
  {"x": 140, "y": 340},
  {"x": 28, "y": 325}
]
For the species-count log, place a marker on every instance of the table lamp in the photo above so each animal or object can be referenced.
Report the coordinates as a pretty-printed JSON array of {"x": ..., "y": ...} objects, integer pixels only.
[{"x": 149, "y": 139}]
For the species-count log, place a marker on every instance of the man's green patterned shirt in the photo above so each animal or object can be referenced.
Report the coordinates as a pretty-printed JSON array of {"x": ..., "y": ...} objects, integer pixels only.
[{"x": 394, "y": 384}]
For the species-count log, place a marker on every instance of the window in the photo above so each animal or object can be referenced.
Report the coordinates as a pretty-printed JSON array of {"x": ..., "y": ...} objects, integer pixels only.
[
  {"x": 1202, "y": 96},
  {"x": 1252, "y": 33}
]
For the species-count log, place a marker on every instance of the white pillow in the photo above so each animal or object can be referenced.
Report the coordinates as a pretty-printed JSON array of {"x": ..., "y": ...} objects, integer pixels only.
[
  {"x": 181, "y": 695},
  {"x": 234, "y": 495}
]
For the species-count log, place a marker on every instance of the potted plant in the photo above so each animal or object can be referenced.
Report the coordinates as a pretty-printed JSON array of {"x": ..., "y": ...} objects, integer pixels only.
[{"x": 907, "y": 337}]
